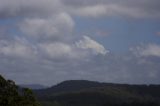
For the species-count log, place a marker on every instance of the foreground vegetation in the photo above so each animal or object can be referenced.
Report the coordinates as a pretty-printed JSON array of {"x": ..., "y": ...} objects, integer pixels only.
[{"x": 12, "y": 95}]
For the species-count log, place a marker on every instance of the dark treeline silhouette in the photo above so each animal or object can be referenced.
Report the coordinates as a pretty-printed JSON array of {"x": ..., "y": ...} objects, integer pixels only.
[{"x": 12, "y": 95}]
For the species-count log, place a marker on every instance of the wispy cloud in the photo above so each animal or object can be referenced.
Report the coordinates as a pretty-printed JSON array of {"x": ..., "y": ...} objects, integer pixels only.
[
  {"x": 147, "y": 50},
  {"x": 88, "y": 43},
  {"x": 158, "y": 33}
]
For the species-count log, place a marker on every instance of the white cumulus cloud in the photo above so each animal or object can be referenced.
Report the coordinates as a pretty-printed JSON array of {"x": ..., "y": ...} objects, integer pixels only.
[
  {"x": 56, "y": 26},
  {"x": 56, "y": 49},
  {"x": 17, "y": 48},
  {"x": 89, "y": 44}
]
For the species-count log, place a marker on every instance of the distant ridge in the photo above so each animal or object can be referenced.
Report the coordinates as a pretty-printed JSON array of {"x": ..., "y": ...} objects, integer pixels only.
[
  {"x": 33, "y": 86},
  {"x": 92, "y": 93},
  {"x": 70, "y": 86},
  {"x": 77, "y": 85}
]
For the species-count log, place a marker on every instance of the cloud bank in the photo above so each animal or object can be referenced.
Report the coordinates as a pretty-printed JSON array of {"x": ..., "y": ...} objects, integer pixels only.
[
  {"x": 127, "y": 8},
  {"x": 38, "y": 45}
]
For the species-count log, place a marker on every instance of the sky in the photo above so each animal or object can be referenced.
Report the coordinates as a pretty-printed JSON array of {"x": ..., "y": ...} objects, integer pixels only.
[{"x": 49, "y": 41}]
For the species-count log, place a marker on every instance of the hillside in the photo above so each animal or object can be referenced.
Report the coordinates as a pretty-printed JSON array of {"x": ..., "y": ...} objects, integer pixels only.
[{"x": 89, "y": 93}]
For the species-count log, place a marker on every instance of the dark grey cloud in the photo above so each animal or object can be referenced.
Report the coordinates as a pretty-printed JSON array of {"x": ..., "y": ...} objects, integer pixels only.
[
  {"x": 46, "y": 8},
  {"x": 154, "y": 4},
  {"x": 20, "y": 8},
  {"x": 129, "y": 8}
]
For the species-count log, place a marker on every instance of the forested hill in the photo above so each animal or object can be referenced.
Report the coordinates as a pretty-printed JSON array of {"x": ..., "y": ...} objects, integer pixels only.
[
  {"x": 90, "y": 93},
  {"x": 79, "y": 85},
  {"x": 12, "y": 95},
  {"x": 80, "y": 93}
]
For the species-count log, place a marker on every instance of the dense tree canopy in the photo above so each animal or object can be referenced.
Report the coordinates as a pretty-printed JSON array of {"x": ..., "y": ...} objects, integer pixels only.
[{"x": 12, "y": 95}]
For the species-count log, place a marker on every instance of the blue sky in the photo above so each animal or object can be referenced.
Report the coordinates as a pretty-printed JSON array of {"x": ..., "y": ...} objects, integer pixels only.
[
  {"x": 49, "y": 41},
  {"x": 120, "y": 33}
]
